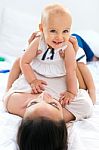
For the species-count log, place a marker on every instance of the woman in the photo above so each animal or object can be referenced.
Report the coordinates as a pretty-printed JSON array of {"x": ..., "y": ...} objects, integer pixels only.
[
  {"x": 43, "y": 127},
  {"x": 44, "y": 114}
]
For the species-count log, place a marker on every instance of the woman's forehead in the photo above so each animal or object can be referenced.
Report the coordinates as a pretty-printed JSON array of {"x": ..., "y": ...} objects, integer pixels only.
[
  {"x": 40, "y": 97},
  {"x": 44, "y": 111}
]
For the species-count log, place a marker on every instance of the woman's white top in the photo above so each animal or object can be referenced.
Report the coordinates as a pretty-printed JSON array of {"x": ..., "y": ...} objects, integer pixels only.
[{"x": 81, "y": 56}]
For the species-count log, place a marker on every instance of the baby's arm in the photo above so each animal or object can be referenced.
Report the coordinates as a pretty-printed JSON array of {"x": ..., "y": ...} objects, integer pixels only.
[
  {"x": 71, "y": 80},
  {"x": 81, "y": 81},
  {"x": 16, "y": 70},
  {"x": 26, "y": 59},
  {"x": 83, "y": 74},
  {"x": 86, "y": 74},
  {"x": 70, "y": 64}
]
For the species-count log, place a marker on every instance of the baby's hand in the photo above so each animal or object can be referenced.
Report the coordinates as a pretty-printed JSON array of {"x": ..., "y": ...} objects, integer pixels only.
[
  {"x": 37, "y": 86},
  {"x": 66, "y": 97}
]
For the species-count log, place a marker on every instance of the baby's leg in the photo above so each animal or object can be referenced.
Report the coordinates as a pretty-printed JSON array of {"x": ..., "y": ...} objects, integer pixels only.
[{"x": 14, "y": 73}]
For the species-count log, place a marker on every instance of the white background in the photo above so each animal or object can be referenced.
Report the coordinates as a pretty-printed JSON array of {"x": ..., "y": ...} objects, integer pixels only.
[{"x": 85, "y": 12}]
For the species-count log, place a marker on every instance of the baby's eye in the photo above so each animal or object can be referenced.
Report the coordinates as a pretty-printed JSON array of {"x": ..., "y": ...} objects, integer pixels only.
[
  {"x": 65, "y": 31},
  {"x": 53, "y": 31}
]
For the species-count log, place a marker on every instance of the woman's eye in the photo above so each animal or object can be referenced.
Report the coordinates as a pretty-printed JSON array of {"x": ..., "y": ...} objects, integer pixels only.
[
  {"x": 32, "y": 103},
  {"x": 53, "y": 31},
  {"x": 53, "y": 103}
]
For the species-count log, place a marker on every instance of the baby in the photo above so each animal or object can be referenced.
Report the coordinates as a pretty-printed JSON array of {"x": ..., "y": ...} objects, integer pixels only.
[
  {"x": 48, "y": 71},
  {"x": 55, "y": 30}
]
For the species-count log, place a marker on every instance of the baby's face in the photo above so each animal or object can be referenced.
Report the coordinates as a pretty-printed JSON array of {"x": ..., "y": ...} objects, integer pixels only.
[
  {"x": 44, "y": 106},
  {"x": 56, "y": 30}
]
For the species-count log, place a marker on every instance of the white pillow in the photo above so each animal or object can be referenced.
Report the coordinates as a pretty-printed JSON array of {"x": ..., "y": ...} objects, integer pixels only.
[
  {"x": 16, "y": 27},
  {"x": 92, "y": 39},
  {"x": 1, "y": 15}
]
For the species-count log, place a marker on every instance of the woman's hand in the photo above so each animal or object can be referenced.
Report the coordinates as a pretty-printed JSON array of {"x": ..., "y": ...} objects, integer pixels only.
[
  {"x": 74, "y": 43},
  {"x": 33, "y": 36}
]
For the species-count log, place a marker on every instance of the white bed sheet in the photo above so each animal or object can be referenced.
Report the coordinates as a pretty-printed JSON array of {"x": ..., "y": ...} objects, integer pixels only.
[{"x": 83, "y": 135}]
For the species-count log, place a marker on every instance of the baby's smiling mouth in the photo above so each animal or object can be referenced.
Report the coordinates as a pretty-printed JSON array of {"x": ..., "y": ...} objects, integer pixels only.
[{"x": 57, "y": 42}]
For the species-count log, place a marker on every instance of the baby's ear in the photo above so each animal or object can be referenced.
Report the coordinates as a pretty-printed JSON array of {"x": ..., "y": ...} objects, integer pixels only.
[{"x": 41, "y": 27}]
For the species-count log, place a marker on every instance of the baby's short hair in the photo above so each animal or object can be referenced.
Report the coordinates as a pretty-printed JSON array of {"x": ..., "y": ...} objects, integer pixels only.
[{"x": 52, "y": 9}]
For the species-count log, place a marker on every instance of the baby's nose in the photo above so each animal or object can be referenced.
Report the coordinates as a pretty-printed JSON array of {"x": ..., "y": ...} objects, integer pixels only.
[{"x": 59, "y": 37}]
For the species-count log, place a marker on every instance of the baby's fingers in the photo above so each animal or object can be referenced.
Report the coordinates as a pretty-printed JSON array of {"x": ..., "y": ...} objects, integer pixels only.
[
  {"x": 34, "y": 90},
  {"x": 43, "y": 82},
  {"x": 66, "y": 102},
  {"x": 62, "y": 95},
  {"x": 42, "y": 87},
  {"x": 39, "y": 90}
]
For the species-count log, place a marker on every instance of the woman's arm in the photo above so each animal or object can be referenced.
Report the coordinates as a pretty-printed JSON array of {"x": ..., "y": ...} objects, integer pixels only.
[
  {"x": 14, "y": 73},
  {"x": 82, "y": 84}
]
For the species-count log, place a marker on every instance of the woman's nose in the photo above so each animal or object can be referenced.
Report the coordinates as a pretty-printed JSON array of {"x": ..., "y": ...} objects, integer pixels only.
[{"x": 46, "y": 96}]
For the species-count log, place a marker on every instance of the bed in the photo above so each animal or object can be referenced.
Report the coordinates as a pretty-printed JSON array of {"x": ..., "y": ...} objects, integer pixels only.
[{"x": 83, "y": 135}]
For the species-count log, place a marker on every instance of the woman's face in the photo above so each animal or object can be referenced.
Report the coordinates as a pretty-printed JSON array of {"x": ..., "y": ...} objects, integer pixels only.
[{"x": 44, "y": 106}]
